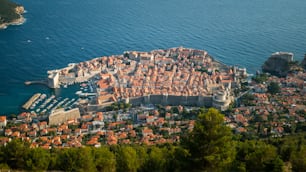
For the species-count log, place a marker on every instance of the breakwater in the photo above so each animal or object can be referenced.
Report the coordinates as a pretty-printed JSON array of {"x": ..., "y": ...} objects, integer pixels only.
[
  {"x": 30, "y": 101},
  {"x": 42, "y": 82}
]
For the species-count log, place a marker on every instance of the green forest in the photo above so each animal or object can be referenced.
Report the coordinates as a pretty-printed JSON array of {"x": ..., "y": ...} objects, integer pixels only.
[
  {"x": 7, "y": 11},
  {"x": 211, "y": 146}
]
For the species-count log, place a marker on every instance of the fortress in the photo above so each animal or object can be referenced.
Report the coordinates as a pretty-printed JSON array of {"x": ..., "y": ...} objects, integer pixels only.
[{"x": 53, "y": 79}]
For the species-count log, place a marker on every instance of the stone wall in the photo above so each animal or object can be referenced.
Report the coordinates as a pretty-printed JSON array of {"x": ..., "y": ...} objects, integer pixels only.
[
  {"x": 60, "y": 116},
  {"x": 173, "y": 100}
]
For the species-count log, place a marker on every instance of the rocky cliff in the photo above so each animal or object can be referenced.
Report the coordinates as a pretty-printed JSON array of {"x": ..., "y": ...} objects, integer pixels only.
[{"x": 278, "y": 64}]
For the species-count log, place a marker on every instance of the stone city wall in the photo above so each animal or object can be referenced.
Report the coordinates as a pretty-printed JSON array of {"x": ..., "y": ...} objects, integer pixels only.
[{"x": 62, "y": 116}]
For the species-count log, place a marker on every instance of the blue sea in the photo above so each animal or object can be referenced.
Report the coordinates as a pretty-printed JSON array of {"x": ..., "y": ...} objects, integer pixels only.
[{"x": 58, "y": 32}]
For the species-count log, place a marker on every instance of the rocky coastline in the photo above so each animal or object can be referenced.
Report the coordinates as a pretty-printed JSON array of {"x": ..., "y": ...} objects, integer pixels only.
[{"x": 19, "y": 10}]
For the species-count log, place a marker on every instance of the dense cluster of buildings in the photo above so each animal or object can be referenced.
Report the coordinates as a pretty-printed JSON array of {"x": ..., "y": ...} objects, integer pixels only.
[
  {"x": 269, "y": 114},
  {"x": 136, "y": 126},
  {"x": 176, "y": 76}
]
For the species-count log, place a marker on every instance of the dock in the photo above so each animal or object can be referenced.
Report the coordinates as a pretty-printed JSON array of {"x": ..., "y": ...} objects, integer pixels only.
[
  {"x": 80, "y": 94},
  {"x": 28, "y": 104}
]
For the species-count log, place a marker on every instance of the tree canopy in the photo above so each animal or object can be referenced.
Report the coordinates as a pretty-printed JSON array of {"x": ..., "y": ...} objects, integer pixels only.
[
  {"x": 210, "y": 143},
  {"x": 273, "y": 88}
]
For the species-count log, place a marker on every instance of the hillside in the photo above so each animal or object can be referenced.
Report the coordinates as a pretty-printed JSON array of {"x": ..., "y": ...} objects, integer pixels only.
[
  {"x": 211, "y": 146},
  {"x": 10, "y": 13}
]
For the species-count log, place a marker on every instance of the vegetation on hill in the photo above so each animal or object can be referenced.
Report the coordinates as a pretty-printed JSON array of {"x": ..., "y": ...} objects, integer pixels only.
[
  {"x": 260, "y": 78},
  {"x": 273, "y": 88},
  {"x": 210, "y": 144},
  {"x": 7, "y": 11}
]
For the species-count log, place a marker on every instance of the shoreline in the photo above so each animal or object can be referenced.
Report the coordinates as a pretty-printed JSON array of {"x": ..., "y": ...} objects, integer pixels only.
[{"x": 18, "y": 21}]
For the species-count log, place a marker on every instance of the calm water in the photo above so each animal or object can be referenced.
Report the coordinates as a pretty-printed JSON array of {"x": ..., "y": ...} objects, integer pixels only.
[{"x": 237, "y": 32}]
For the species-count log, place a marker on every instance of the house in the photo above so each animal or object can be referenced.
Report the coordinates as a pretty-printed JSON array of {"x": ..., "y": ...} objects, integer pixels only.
[
  {"x": 44, "y": 132},
  {"x": 16, "y": 134},
  {"x": 86, "y": 118},
  {"x": 84, "y": 128},
  {"x": 4, "y": 140},
  {"x": 53, "y": 131},
  {"x": 132, "y": 133},
  {"x": 24, "y": 128},
  {"x": 32, "y": 133},
  {"x": 42, "y": 125},
  {"x": 97, "y": 125},
  {"x": 66, "y": 131},
  {"x": 141, "y": 117},
  {"x": 150, "y": 119},
  {"x": 260, "y": 88},
  {"x": 112, "y": 140},
  {"x": 167, "y": 115},
  {"x": 23, "y": 115},
  {"x": 34, "y": 126},
  {"x": 175, "y": 130},
  {"x": 77, "y": 131},
  {"x": 65, "y": 137},
  {"x": 3, "y": 121},
  {"x": 146, "y": 132}
]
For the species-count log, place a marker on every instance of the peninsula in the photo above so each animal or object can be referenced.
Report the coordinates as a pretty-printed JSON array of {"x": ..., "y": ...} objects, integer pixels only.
[
  {"x": 176, "y": 76},
  {"x": 10, "y": 14}
]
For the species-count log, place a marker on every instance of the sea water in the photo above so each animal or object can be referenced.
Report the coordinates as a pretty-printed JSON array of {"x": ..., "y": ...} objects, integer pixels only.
[{"x": 236, "y": 32}]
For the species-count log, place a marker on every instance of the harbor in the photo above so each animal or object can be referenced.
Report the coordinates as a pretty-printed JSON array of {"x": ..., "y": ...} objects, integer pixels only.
[{"x": 42, "y": 104}]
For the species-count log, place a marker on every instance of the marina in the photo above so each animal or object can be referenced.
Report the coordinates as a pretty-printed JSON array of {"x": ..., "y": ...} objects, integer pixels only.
[{"x": 41, "y": 104}]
